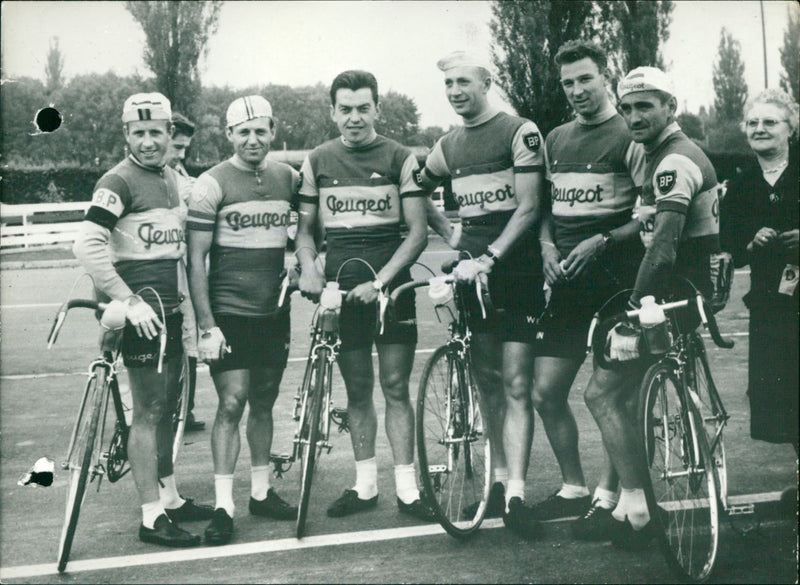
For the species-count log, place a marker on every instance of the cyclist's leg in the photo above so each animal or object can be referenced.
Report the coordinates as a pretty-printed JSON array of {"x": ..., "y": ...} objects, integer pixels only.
[
  {"x": 395, "y": 361},
  {"x": 608, "y": 397},
  {"x": 518, "y": 424},
  {"x": 232, "y": 391},
  {"x": 487, "y": 357}
]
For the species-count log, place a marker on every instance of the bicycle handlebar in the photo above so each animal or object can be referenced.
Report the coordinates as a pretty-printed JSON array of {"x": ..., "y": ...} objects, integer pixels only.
[
  {"x": 61, "y": 315},
  {"x": 599, "y": 330}
]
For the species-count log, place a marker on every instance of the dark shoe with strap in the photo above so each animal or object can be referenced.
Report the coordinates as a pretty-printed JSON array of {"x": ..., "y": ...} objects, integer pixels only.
[
  {"x": 167, "y": 533},
  {"x": 521, "y": 521},
  {"x": 350, "y": 503},
  {"x": 190, "y": 512},
  {"x": 624, "y": 536},
  {"x": 220, "y": 530},
  {"x": 596, "y": 524},
  {"x": 273, "y": 506},
  {"x": 495, "y": 505},
  {"x": 556, "y": 506},
  {"x": 418, "y": 509},
  {"x": 192, "y": 424}
]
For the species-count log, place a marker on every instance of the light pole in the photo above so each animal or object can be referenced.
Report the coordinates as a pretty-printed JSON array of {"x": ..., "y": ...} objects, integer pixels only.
[{"x": 764, "y": 42}]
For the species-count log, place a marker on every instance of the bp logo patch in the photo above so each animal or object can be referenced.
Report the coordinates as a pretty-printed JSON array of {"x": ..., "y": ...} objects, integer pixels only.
[
  {"x": 532, "y": 141},
  {"x": 418, "y": 177},
  {"x": 666, "y": 181},
  {"x": 300, "y": 181}
]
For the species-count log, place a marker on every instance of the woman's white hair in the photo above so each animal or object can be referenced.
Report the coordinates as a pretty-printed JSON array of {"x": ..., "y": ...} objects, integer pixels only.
[{"x": 781, "y": 99}]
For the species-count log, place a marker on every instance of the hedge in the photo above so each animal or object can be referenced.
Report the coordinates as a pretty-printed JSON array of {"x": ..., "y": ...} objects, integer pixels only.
[{"x": 51, "y": 185}]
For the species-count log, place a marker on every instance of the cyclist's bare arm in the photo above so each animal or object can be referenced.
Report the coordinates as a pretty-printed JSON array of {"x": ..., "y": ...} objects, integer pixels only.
[
  {"x": 529, "y": 189},
  {"x": 660, "y": 256},
  {"x": 311, "y": 281},
  {"x": 199, "y": 247}
]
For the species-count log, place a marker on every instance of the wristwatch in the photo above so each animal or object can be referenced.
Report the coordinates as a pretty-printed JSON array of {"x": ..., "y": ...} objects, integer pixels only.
[
  {"x": 608, "y": 240},
  {"x": 492, "y": 253},
  {"x": 377, "y": 284}
]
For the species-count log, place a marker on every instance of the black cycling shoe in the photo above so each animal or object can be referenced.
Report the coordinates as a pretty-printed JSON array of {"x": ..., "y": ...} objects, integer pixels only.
[
  {"x": 273, "y": 506},
  {"x": 624, "y": 536},
  {"x": 167, "y": 533},
  {"x": 556, "y": 506},
  {"x": 190, "y": 512},
  {"x": 350, "y": 503},
  {"x": 418, "y": 509},
  {"x": 220, "y": 531},
  {"x": 495, "y": 505},
  {"x": 520, "y": 520},
  {"x": 596, "y": 524},
  {"x": 192, "y": 424}
]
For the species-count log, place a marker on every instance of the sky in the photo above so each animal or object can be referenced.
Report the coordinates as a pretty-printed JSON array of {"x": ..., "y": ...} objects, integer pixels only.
[{"x": 303, "y": 43}]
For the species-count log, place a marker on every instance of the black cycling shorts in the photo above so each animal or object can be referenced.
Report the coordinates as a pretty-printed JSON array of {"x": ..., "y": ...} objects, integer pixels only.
[
  {"x": 255, "y": 342},
  {"x": 140, "y": 352},
  {"x": 359, "y": 326}
]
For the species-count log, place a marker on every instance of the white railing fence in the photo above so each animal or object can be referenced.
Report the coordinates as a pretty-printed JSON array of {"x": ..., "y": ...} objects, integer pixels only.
[{"x": 19, "y": 227}]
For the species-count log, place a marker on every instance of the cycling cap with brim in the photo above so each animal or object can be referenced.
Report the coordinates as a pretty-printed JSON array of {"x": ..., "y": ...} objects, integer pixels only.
[
  {"x": 146, "y": 106},
  {"x": 247, "y": 108},
  {"x": 645, "y": 79},
  {"x": 462, "y": 59}
]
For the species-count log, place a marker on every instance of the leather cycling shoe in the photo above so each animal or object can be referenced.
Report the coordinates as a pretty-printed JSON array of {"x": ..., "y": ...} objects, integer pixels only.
[
  {"x": 167, "y": 533},
  {"x": 495, "y": 505},
  {"x": 417, "y": 509},
  {"x": 190, "y": 512},
  {"x": 350, "y": 503},
  {"x": 273, "y": 506},
  {"x": 220, "y": 531},
  {"x": 521, "y": 520},
  {"x": 192, "y": 424},
  {"x": 624, "y": 536}
]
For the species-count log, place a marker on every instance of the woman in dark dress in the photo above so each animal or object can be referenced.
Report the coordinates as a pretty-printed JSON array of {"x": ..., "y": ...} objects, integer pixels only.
[{"x": 759, "y": 226}]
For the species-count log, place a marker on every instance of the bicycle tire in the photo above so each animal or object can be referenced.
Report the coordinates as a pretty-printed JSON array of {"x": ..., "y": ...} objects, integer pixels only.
[
  {"x": 711, "y": 410},
  {"x": 181, "y": 407},
  {"x": 80, "y": 459},
  {"x": 455, "y": 469},
  {"x": 680, "y": 480},
  {"x": 309, "y": 436}
]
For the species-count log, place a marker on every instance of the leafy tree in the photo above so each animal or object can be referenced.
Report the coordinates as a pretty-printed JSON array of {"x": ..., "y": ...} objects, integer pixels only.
[
  {"x": 399, "y": 119},
  {"x": 54, "y": 68},
  {"x": 730, "y": 88},
  {"x": 528, "y": 34},
  {"x": 177, "y": 34},
  {"x": 692, "y": 126},
  {"x": 790, "y": 53}
]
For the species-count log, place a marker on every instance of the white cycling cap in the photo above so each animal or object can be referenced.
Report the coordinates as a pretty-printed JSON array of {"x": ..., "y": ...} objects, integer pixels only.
[
  {"x": 146, "y": 106},
  {"x": 247, "y": 108},
  {"x": 462, "y": 59},
  {"x": 645, "y": 79}
]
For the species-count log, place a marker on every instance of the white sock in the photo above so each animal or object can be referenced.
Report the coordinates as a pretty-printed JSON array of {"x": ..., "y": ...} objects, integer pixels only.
[
  {"x": 169, "y": 496},
  {"x": 633, "y": 505},
  {"x": 571, "y": 492},
  {"x": 151, "y": 511},
  {"x": 405, "y": 481},
  {"x": 367, "y": 478},
  {"x": 515, "y": 489},
  {"x": 605, "y": 498},
  {"x": 259, "y": 482},
  {"x": 223, "y": 488},
  {"x": 501, "y": 475}
]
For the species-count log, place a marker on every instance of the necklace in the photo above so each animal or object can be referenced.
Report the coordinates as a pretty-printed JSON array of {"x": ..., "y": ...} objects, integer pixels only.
[{"x": 777, "y": 168}]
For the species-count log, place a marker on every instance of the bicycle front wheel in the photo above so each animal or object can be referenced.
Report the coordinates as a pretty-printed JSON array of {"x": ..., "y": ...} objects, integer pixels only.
[
  {"x": 182, "y": 407},
  {"x": 452, "y": 444},
  {"x": 79, "y": 459},
  {"x": 682, "y": 487},
  {"x": 310, "y": 433}
]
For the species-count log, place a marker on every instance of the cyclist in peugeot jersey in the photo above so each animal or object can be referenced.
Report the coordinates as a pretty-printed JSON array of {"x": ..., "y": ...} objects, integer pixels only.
[
  {"x": 595, "y": 171},
  {"x": 361, "y": 186},
  {"x": 132, "y": 238},
  {"x": 496, "y": 166},
  {"x": 238, "y": 215},
  {"x": 680, "y": 184}
]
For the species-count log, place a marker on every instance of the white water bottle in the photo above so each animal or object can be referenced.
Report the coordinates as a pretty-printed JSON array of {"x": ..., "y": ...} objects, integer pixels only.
[
  {"x": 654, "y": 326},
  {"x": 331, "y": 297}
]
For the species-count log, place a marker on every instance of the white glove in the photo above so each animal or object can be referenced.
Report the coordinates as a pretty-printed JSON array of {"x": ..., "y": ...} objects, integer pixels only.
[
  {"x": 115, "y": 315},
  {"x": 211, "y": 345},
  {"x": 622, "y": 343},
  {"x": 143, "y": 318},
  {"x": 468, "y": 270}
]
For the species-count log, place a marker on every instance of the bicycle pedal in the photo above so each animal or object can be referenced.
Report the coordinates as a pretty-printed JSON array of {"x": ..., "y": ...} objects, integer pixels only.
[{"x": 741, "y": 509}]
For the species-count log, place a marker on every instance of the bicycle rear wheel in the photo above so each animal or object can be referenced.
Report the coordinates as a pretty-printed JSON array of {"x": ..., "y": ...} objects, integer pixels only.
[
  {"x": 310, "y": 433},
  {"x": 80, "y": 458},
  {"x": 682, "y": 481},
  {"x": 452, "y": 444},
  {"x": 711, "y": 409},
  {"x": 182, "y": 406}
]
